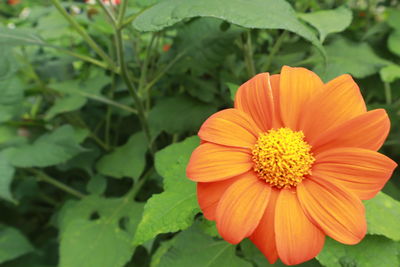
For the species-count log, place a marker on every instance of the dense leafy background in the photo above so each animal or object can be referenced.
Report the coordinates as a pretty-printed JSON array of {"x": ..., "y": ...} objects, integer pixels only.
[{"x": 98, "y": 120}]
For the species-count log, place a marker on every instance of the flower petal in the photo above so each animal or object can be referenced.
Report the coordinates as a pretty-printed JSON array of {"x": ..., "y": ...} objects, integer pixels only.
[
  {"x": 368, "y": 130},
  {"x": 297, "y": 86},
  {"x": 209, "y": 194},
  {"x": 264, "y": 235},
  {"x": 340, "y": 214},
  {"x": 297, "y": 239},
  {"x": 361, "y": 171},
  {"x": 340, "y": 100},
  {"x": 277, "y": 120},
  {"x": 241, "y": 208},
  {"x": 211, "y": 163},
  {"x": 230, "y": 127},
  {"x": 254, "y": 97}
]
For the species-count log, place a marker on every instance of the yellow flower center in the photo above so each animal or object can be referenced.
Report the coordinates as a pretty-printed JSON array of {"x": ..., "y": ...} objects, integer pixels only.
[{"x": 282, "y": 158}]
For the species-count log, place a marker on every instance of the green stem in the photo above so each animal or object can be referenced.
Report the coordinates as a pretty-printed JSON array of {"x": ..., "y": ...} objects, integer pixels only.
[
  {"x": 388, "y": 93},
  {"x": 160, "y": 74},
  {"x": 121, "y": 13},
  {"x": 109, "y": 111},
  {"x": 139, "y": 184},
  {"x": 275, "y": 48},
  {"x": 143, "y": 72},
  {"x": 248, "y": 55},
  {"x": 84, "y": 34},
  {"x": 131, "y": 88},
  {"x": 108, "y": 102},
  {"x": 107, "y": 11},
  {"x": 83, "y": 57},
  {"x": 41, "y": 176}
]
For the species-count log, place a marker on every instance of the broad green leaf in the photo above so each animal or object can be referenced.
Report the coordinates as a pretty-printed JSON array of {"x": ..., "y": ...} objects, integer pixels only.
[
  {"x": 174, "y": 209},
  {"x": 6, "y": 175},
  {"x": 254, "y": 255},
  {"x": 14, "y": 37},
  {"x": 344, "y": 56},
  {"x": 260, "y": 14},
  {"x": 49, "y": 149},
  {"x": 393, "y": 18},
  {"x": 383, "y": 213},
  {"x": 65, "y": 104},
  {"x": 8, "y": 64},
  {"x": 232, "y": 89},
  {"x": 179, "y": 114},
  {"x": 92, "y": 86},
  {"x": 96, "y": 185},
  {"x": 13, "y": 244},
  {"x": 329, "y": 21},
  {"x": 371, "y": 252},
  {"x": 11, "y": 98},
  {"x": 195, "y": 249},
  {"x": 209, "y": 227},
  {"x": 394, "y": 42},
  {"x": 98, "y": 231},
  {"x": 160, "y": 252},
  {"x": 125, "y": 161},
  {"x": 390, "y": 73},
  {"x": 205, "y": 45}
]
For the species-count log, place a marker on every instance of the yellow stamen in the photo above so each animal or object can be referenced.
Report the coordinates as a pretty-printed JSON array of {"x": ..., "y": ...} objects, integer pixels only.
[{"x": 282, "y": 158}]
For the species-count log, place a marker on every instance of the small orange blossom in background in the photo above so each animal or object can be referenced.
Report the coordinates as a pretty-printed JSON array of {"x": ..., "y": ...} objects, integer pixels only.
[{"x": 290, "y": 163}]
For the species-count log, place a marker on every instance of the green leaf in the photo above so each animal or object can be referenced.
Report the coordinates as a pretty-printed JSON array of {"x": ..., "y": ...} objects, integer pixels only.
[
  {"x": 13, "y": 244},
  {"x": 125, "y": 161},
  {"x": 329, "y": 21},
  {"x": 383, "y": 213},
  {"x": 253, "y": 254},
  {"x": 393, "y": 18},
  {"x": 394, "y": 42},
  {"x": 8, "y": 64},
  {"x": 96, "y": 185},
  {"x": 179, "y": 114},
  {"x": 195, "y": 249},
  {"x": 6, "y": 175},
  {"x": 371, "y": 252},
  {"x": 98, "y": 231},
  {"x": 260, "y": 14},
  {"x": 174, "y": 209},
  {"x": 232, "y": 89},
  {"x": 54, "y": 148},
  {"x": 206, "y": 46},
  {"x": 15, "y": 37},
  {"x": 160, "y": 252},
  {"x": 11, "y": 97},
  {"x": 65, "y": 104},
  {"x": 344, "y": 56},
  {"x": 390, "y": 73}
]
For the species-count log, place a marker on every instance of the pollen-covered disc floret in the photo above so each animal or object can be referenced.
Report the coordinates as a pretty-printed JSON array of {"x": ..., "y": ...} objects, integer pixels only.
[{"x": 282, "y": 158}]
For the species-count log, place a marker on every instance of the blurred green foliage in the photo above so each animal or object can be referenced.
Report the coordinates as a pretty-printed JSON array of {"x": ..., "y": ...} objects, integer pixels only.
[{"x": 99, "y": 105}]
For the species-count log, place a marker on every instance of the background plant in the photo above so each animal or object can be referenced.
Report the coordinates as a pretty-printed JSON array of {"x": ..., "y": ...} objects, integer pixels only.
[{"x": 99, "y": 105}]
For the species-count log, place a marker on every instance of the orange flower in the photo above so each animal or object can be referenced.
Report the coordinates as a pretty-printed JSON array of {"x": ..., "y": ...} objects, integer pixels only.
[{"x": 291, "y": 163}]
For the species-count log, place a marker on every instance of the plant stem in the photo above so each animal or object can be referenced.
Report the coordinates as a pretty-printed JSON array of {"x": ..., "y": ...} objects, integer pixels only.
[
  {"x": 388, "y": 93},
  {"x": 41, "y": 176},
  {"x": 143, "y": 72},
  {"x": 275, "y": 48},
  {"x": 84, "y": 34},
  {"x": 83, "y": 57},
  {"x": 248, "y": 55},
  {"x": 139, "y": 184},
  {"x": 131, "y": 88},
  {"x": 107, "y": 11},
  {"x": 159, "y": 75},
  {"x": 121, "y": 13},
  {"x": 108, "y": 101}
]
